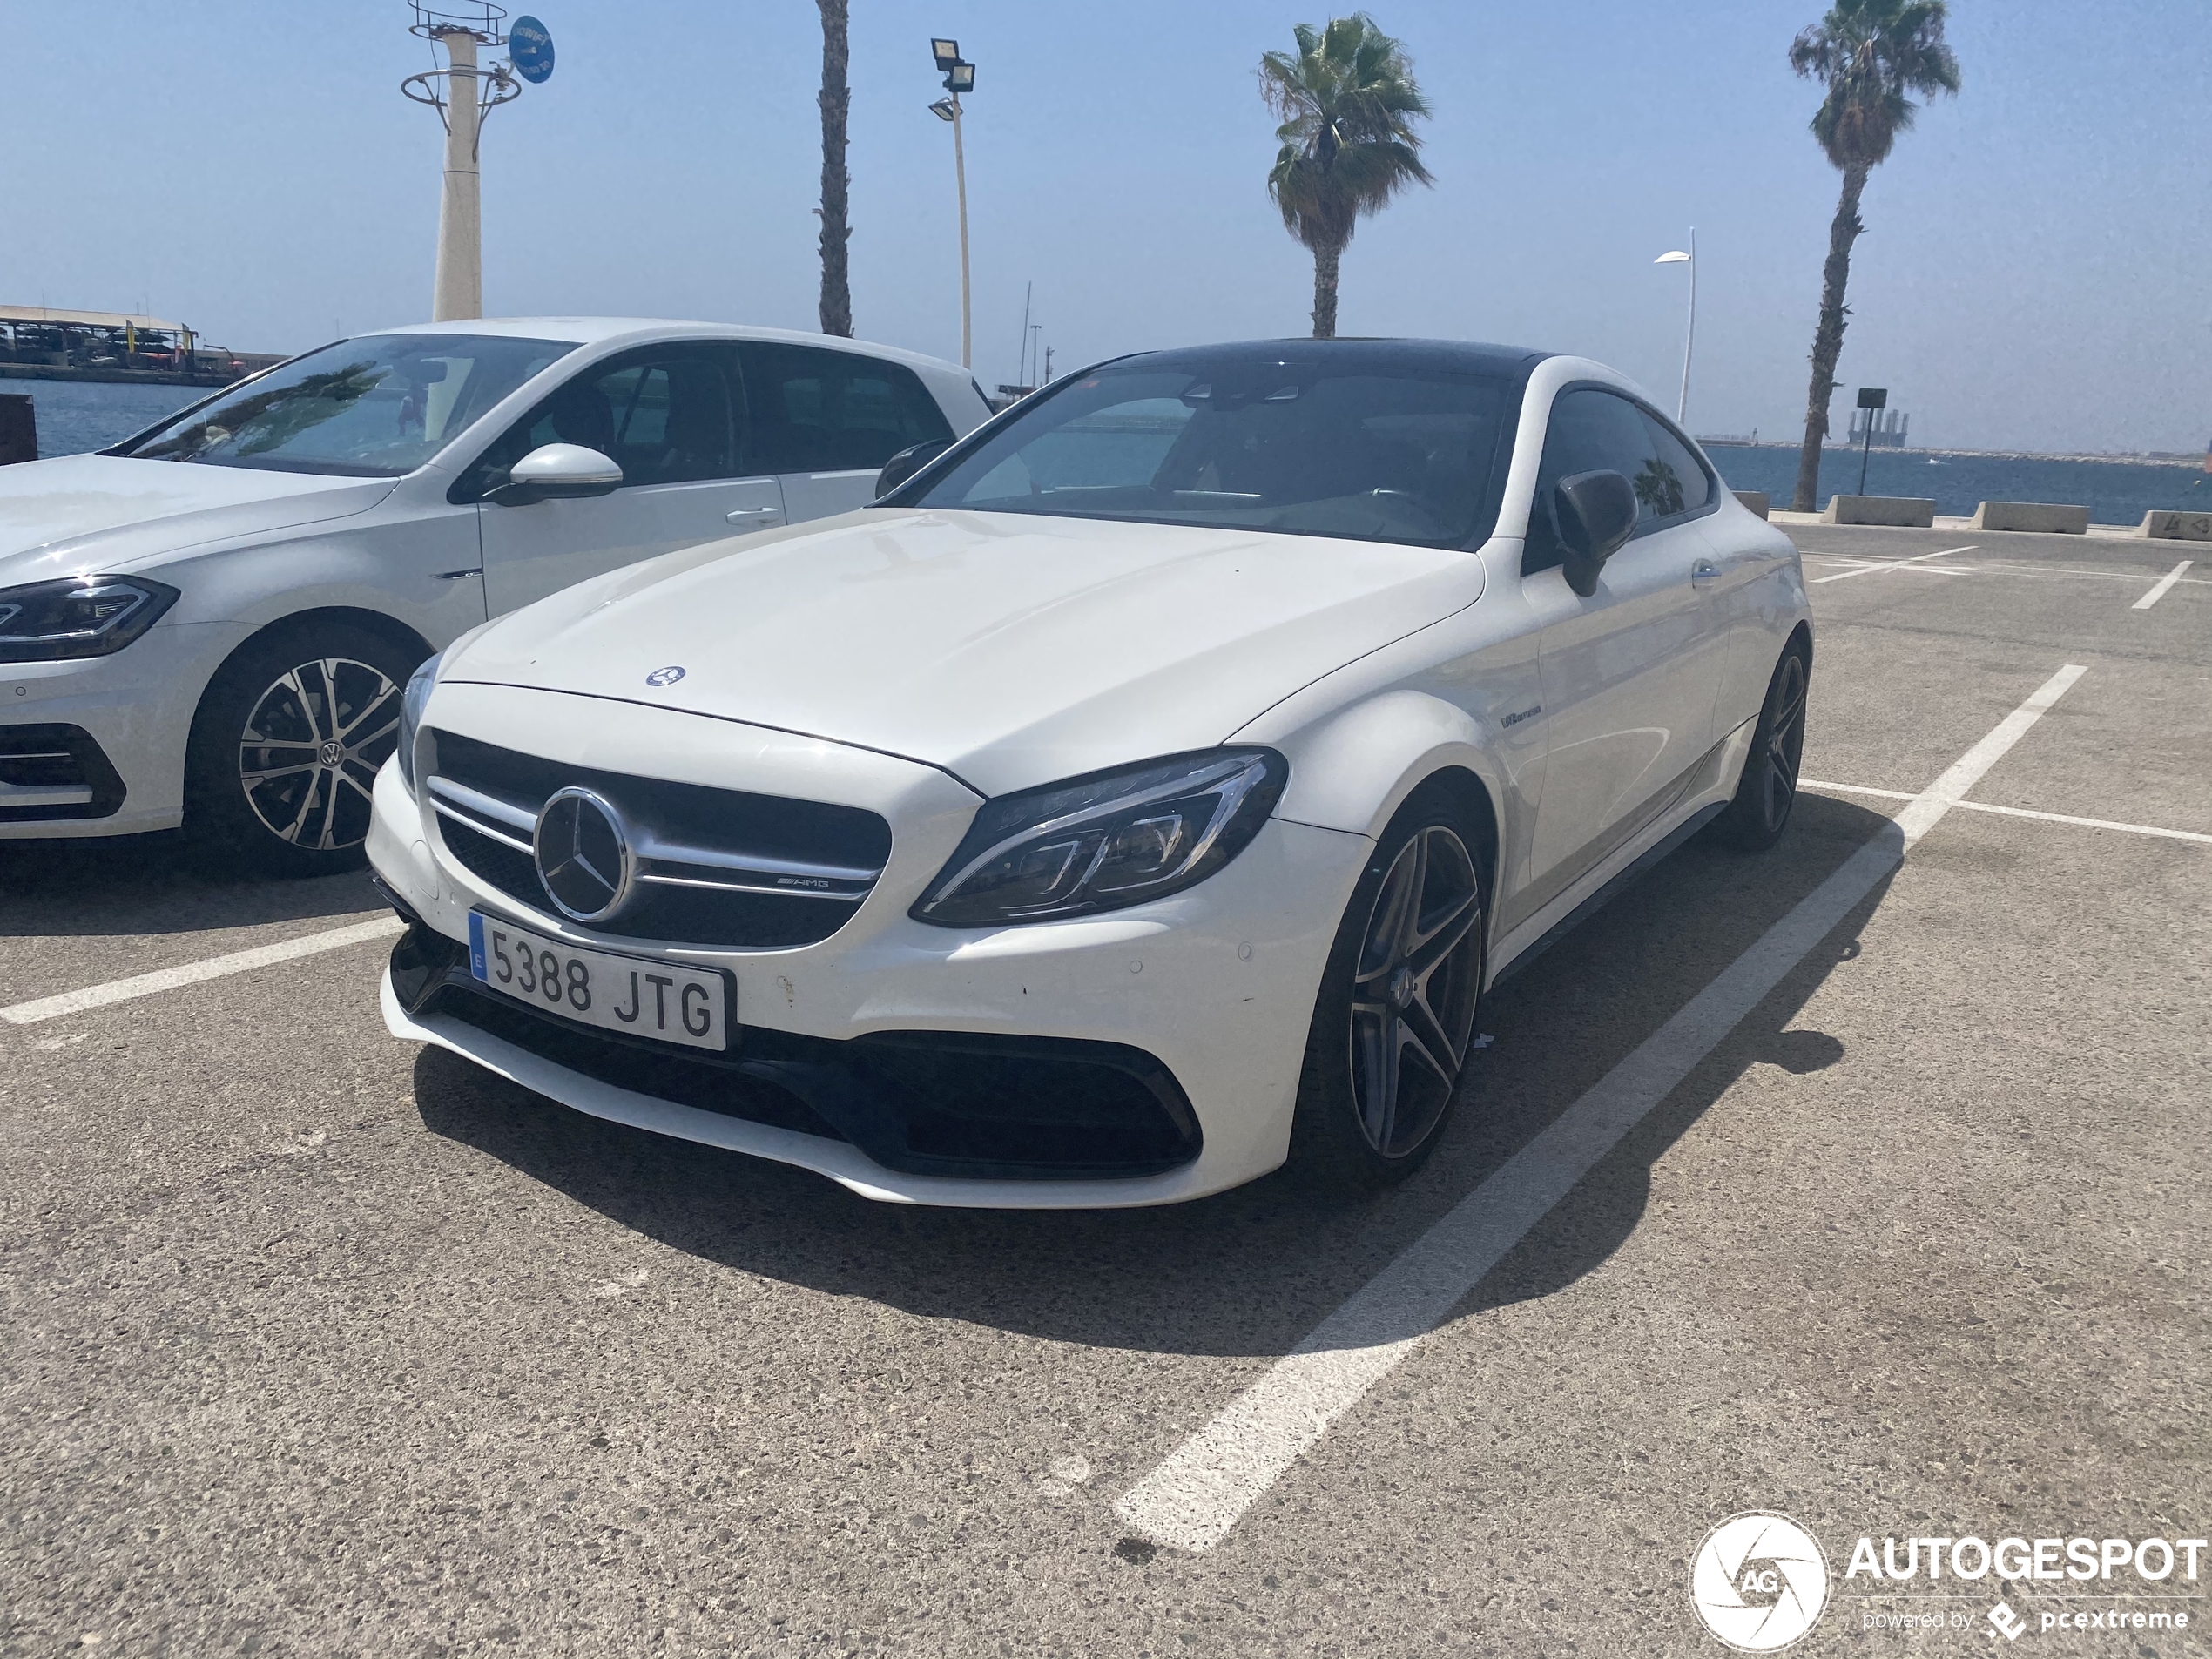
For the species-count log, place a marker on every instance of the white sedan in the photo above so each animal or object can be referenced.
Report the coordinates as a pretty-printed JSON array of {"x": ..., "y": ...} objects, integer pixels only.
[
  {"x": 1140, "y": 793},
  {"x": 209, "y": 624}
]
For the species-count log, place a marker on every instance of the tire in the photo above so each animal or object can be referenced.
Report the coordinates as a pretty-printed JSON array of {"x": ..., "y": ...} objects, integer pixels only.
[
  {"x": 1395, "y": 1023},
  {"x": 279, "y": 770},
  {"x": 1767, "y": 792}
]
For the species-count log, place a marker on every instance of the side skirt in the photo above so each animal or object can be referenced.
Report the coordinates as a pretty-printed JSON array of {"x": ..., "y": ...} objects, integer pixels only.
[{"x": 1612, "y": 890}]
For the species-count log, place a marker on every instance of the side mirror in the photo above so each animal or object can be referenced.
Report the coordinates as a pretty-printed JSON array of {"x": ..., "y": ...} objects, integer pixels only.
[
  {"x": 1596, "y": 513},
  {"x": 909, "y": 461},
  {"x": 557, "y": 472}
]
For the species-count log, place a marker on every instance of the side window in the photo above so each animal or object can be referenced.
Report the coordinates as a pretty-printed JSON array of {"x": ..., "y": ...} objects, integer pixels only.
[
  {"x": 814, "y": 410},
  {"x": 1672, "y": 482},
  {"x": 666, "y": 414},
  {"x": 1590, "y": 431}
]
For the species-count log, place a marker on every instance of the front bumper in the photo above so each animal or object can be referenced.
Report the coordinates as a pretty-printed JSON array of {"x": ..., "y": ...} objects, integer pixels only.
[
  {"x": 131, "y": 713},
  {"x": 1214, "y": 987}
]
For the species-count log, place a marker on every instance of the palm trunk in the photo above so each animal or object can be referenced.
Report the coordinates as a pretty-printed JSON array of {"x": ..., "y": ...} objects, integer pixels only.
[
  {"x": 1828, "y": 337},
  {"x": 836, "y": 102},
  {"x": 1325, "y": 260}
]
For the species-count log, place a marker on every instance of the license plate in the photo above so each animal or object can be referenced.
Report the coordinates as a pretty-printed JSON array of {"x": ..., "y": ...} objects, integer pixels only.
[{"x": 634, "y": 995}]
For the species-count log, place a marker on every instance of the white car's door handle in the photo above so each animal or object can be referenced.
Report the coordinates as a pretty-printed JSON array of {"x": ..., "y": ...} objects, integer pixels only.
[
  {"x": 744, "y": 512},
  {"x": 1702, "y": 572}
]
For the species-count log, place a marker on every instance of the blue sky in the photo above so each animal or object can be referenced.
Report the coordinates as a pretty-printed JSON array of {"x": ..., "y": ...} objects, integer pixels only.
[{"x": 2037, "y": 270}]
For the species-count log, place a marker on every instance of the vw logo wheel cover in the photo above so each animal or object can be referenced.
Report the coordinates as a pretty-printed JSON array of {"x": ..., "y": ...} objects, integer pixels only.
[{"x": 584, "y": 859}]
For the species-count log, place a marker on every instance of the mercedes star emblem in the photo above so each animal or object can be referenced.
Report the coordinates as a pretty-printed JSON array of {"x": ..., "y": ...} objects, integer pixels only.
[
  {"x": 583, "y": 856},
  {"x": 667, "y": 676}
]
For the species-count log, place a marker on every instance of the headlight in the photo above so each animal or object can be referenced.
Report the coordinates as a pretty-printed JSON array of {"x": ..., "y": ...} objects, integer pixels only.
[
  {"x": 411, "y": 705},
  {"x": 84, "y": 615},
  {"x": 1099, "y": 843}
]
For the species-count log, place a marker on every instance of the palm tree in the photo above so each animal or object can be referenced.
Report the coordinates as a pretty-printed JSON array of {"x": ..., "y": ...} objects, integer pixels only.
[
  {"x": 1347, "y": 103},
  {"x": 1871, "y": 54},
  {"x": 836, "y": 101}
]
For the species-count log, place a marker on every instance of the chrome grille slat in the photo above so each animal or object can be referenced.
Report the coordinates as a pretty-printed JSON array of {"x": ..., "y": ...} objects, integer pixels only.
[{"x": 693, "y": 889}]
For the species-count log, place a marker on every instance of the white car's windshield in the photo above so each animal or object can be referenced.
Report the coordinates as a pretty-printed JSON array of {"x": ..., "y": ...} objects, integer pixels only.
[
  {"x": 373, "y": 407},
  {"x": 1392, "y": 443}
]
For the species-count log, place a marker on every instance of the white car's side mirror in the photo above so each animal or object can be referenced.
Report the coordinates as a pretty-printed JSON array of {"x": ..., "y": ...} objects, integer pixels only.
[{"x": 558, "y": 472}]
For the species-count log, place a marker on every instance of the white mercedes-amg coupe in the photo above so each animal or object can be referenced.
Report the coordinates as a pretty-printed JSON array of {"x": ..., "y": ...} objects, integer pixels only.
[{"x": 1143, "y": 790}]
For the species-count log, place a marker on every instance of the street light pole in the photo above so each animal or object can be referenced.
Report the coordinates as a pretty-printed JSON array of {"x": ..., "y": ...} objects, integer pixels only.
[
  {"x": 1689, "y": 335},
  {"x": 464, "y": 94},
  {"x": 959, "y": 77},
  {"x": 960, "y": 174},
  {"x": 458, "y": 291}
]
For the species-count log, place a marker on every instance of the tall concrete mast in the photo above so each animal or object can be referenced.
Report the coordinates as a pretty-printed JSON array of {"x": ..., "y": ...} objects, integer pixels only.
[{"x": 469, "y": 94}]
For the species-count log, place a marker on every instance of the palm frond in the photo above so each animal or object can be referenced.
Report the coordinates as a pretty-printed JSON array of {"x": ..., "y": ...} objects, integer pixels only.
[{"x": 1873, "y": 55}]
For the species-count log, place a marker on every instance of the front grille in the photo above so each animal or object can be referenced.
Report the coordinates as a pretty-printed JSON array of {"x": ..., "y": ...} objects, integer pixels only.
[
  {"x": 924, "y": 1103},
  {"x": 55, "y": 772},
  {"x": 717, "y": 867}
]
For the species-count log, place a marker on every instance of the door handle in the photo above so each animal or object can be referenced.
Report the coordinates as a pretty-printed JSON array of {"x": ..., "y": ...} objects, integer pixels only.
[
  {"x": 1702, "y": 572},
  {"x": 743, "y": 513}
]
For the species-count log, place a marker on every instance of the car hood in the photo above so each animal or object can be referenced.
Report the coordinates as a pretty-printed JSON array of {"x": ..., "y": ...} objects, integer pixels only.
[
  {"x": 1008, "y": 649},
  {"x": 58, "y": 516}
]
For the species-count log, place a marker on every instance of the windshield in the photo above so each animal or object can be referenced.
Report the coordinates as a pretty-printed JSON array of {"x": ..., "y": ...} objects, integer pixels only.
[
  {"x": 373, "y": 407},
  {"x": 1329, "y": 441}
]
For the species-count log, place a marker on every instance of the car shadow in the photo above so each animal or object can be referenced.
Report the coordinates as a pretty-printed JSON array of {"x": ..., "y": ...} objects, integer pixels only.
[
  {"x": 1247, "y": 1272},
  {"x": 154, "y": 884}
]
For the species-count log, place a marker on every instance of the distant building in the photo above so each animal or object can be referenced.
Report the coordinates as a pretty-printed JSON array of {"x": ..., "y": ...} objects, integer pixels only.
[
  {"x": 40, "y": 342},
  {"x": 1889, "y": 428}
]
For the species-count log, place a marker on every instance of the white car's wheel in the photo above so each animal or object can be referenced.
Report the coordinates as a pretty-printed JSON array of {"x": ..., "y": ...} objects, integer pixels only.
[
  {"x": 1395, "y": 1021},
  {"x": 286, "y": 745},
  {"x": 1768, "y": 790}
]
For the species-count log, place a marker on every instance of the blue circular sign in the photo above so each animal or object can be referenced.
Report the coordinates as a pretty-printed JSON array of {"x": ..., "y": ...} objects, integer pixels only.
[{"x": 530, "y": 48}]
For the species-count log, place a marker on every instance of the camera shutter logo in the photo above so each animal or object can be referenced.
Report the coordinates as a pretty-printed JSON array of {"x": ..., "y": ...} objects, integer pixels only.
[{"x": 1758, "y": 1582}]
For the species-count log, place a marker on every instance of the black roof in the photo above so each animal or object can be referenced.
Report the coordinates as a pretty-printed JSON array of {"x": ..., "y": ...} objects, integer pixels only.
[{"x": 1470, "y": 357}]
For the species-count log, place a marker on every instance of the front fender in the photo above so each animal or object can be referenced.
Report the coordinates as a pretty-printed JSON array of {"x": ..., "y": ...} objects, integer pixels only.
[{"x": 1353, "y": 770}]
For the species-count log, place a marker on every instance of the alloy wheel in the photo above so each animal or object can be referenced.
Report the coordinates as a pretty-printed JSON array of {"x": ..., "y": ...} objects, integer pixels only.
[
  {"x": 1785, "y": 744},
  {"x": 308, "y": 756},
  {"x": 1414, "y": 992}
]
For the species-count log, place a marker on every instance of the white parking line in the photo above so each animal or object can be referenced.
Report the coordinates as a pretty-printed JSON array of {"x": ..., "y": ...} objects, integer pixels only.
[
  {"x": 2165, "y": 585},
  {"x": 1206, "y": 1485},
  {"x": 1897, "y": 565},
  {"x": 2010, "y": 812},
  {"x": 122, "y": 990}
]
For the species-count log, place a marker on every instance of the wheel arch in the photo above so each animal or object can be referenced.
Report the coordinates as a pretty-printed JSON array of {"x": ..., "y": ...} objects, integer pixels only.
[
  {"x": 1361, "y": 768},
  {"x": 390, "y": 629}
]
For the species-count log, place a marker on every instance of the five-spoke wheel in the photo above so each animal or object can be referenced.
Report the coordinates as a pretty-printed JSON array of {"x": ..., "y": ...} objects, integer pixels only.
[
  {"x": 1394, "y": 1023},
  {"x": 1414, "y": 991},
  {"x": 1760, "y": 812}
]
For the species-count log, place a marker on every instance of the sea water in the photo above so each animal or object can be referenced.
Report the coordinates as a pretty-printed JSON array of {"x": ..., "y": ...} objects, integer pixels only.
[
  {"x": 77, "y": 415},
  {"x": 2115, "y": 492}
]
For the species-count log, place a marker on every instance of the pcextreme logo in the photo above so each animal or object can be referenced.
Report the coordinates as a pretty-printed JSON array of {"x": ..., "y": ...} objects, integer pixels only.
[{"x": 1758, "y": 1582}]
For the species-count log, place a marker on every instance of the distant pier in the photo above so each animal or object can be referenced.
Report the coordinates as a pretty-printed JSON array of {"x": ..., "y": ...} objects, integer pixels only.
[{"x": 40, "y": 343}]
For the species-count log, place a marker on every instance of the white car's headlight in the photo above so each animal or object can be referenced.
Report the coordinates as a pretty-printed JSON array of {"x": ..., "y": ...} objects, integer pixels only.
[
  {"x": 411, "y": 705},
  {"x": 1099, "y": 843},
  {"x": 86, "y": 616}
]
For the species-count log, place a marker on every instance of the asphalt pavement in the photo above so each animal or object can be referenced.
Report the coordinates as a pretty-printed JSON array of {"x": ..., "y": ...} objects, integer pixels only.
[{"x": 320, "y": 1343}]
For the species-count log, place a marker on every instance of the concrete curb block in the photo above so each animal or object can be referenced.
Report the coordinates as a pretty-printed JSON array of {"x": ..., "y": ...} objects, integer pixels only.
[
  {"x": 1754, "y": 499},
  {"x": 1899, "y": 512},
  {"x": 2043, "y": 517},
  {"x": 2167, "y": 525}
]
